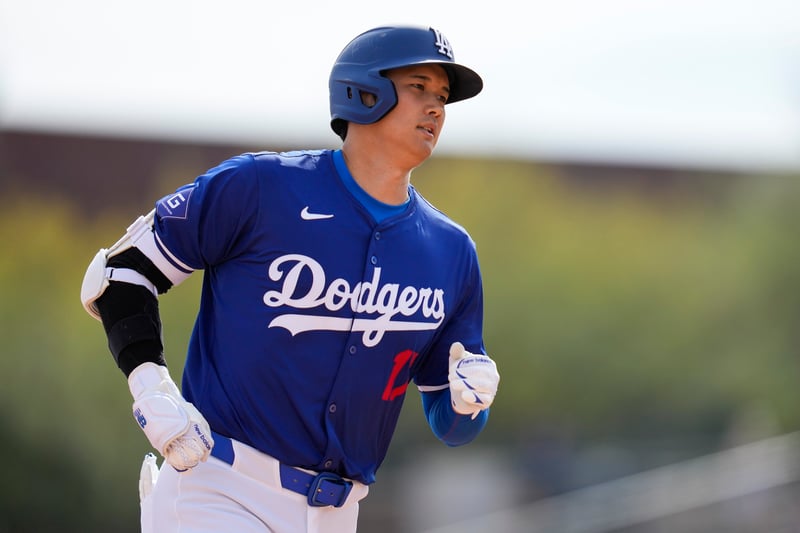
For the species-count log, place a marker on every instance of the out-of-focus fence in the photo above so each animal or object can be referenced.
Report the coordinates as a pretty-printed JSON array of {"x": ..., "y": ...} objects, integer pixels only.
[{"x": 754, "y": 488}]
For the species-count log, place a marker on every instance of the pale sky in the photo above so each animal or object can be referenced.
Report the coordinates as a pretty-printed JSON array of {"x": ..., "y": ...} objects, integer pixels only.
[{"x": 710, "y": 83}]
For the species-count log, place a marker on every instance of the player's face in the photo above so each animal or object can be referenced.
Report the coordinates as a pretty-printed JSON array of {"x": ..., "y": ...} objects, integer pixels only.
[{"x": 417, "y": 120}]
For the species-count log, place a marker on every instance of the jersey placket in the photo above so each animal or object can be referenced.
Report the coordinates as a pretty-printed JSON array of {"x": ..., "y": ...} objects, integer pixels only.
[{"x": 350, "y": 364}]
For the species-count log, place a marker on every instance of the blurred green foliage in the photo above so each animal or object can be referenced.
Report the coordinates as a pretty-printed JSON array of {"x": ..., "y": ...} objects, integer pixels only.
[
  {"x": 660, "y": 315},
  {"x": 618, "y": 311}
]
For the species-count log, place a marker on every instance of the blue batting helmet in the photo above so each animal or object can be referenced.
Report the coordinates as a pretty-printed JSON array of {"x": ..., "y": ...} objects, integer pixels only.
[{"x": 360, "y": 67}]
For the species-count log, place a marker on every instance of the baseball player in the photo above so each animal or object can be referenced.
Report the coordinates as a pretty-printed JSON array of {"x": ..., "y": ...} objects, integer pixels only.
[{"x": 329, "y": 285}]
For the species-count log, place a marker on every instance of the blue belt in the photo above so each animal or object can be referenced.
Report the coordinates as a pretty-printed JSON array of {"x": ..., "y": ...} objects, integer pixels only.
[{"x": 321, "y": 490}]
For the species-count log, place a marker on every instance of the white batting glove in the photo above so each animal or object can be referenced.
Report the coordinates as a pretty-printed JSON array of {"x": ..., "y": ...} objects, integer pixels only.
[
  {"x": 473, "y": 381},
  {"x": 172, "y": 425}
]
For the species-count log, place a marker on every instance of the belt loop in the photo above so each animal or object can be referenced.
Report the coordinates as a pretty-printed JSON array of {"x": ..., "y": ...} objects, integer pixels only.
[{"x": 223, "y": 448}]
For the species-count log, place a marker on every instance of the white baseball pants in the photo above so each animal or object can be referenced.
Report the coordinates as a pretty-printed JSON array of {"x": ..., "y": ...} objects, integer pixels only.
[{"x": 244, "y": 497}]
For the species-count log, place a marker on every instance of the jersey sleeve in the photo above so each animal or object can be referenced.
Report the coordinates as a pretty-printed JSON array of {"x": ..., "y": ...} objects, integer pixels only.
[
  {"x": 206, "y": 222},
  {"x": 465, "y": 326},
  {"x": 448, "y": 426}
]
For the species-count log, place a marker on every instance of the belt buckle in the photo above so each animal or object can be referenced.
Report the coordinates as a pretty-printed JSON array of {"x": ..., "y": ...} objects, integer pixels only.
[{"x": 328, "y": 488}]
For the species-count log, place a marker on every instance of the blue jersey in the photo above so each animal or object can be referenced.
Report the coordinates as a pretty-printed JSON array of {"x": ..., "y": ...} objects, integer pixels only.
[{"x": 314, "y": 317}]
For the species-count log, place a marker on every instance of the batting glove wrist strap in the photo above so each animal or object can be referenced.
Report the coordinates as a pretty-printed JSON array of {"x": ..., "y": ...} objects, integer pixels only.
[
  {"x": 172, "y": 425},
  {"x": 473, "y": 381}
]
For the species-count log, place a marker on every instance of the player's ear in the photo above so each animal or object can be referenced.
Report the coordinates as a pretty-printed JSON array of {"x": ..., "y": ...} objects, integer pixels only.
[{"x": 368, "y": 99}]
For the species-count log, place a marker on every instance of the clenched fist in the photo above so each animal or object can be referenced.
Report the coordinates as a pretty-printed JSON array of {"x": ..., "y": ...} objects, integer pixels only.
[
  {"x": 473, "y": 380},
  {"x": 172, "y": 425}
]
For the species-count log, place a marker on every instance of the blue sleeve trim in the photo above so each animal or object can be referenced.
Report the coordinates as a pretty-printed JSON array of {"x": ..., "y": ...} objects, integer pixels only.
[{"x": 450, "y": 427}]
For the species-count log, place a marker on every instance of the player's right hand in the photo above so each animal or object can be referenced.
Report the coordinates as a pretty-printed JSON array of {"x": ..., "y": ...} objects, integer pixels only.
[{"x": 172, "y": 425}]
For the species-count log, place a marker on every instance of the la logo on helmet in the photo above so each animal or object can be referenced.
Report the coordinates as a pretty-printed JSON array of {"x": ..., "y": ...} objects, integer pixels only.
[{"x": 443, "y": 44}]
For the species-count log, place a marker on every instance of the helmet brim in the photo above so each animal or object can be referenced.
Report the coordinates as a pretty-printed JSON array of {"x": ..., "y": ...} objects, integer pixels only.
[{"x": 464, "y": 82}]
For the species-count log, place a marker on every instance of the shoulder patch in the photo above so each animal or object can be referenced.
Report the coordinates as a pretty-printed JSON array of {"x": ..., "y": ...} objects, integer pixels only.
[{"x": 175, "y": 205}]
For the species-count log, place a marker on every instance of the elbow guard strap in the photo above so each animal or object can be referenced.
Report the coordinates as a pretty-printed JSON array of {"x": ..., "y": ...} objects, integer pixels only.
[{"x": 98, "y": 276}]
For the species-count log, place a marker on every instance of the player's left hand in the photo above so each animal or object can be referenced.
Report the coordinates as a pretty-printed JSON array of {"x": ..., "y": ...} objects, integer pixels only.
[{"x": 473, "y": 381}]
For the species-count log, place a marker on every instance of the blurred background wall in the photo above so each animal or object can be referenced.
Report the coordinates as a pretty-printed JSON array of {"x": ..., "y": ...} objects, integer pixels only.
[
  {"x": 641, "y": 317},
  {"x": 641, "y": 268}
]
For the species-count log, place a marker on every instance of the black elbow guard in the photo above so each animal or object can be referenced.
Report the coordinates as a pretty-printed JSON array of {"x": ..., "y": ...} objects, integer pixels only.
[{"x": 133, "y": 326}]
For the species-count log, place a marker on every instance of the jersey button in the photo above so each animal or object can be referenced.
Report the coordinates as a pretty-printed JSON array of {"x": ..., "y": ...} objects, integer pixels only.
[
  {"x": 373, "y": 260},
  {"x": 353, "y": 350},
  {"x": 332, "y": 408},
  {"x": 377, "y": 235},
  {"x": 328, "y": 463}
]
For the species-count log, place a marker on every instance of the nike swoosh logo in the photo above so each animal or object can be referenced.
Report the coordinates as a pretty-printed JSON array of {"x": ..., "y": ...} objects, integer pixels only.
[{"x": 306, "y": 215}]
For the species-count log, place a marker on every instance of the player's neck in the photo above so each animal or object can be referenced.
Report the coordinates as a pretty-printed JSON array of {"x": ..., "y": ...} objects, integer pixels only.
[{"x": 373, "y": 172}]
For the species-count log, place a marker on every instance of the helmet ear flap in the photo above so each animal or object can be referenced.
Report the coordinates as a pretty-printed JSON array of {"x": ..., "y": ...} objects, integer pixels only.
[
  {"x": 368, "y": 100},
  {"x": 363, "y": 101}
]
